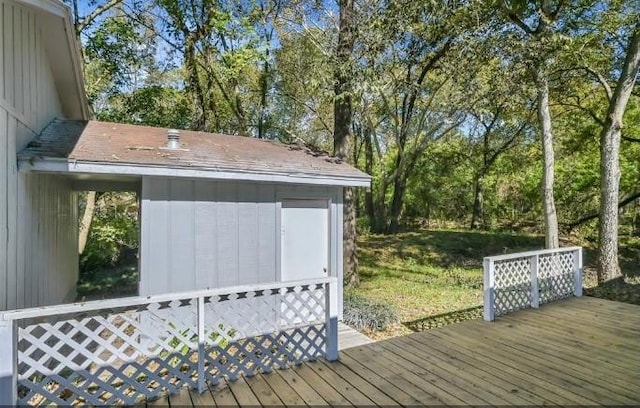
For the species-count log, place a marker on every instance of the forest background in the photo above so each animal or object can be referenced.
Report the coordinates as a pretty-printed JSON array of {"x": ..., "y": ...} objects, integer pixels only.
[{"x": 511, "y": 124}]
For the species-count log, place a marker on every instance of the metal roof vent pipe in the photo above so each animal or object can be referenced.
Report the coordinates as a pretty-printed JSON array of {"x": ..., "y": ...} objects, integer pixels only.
[{"x": 173, "y": 139}]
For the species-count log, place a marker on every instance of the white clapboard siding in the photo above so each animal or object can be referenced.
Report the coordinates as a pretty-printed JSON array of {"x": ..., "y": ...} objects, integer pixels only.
[
  {"x": 198, "y": 234},
  {"x": 38, "y": 213}
]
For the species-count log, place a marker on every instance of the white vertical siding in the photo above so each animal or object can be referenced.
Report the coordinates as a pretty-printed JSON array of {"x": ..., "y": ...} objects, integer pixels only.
[
  {"x": 48, "y": 235},
  {"x": 205, "y": 234},
  {"x": 12, "y": 210},
  {"x": 181, "y": 236},
  {"x": 38, "y": 213},
  {"x": 27, "y": 89},
  {"x": 248, "y": 231},
  {"x": 228, "y": 245},
  {"x": 269, "y": 232},
  {"x": 154, "y": 243},
  {"x": 206, "y": 266},
  {"x": 337, "y": 259},
  {"x": 4, "y": 169}
]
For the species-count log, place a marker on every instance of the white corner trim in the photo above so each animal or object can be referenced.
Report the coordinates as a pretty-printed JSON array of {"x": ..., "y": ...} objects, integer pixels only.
[
  {"x": 82, "y": 167},
  {"x": 76, "y": 62},
  {"x": 74, "y": 51}
]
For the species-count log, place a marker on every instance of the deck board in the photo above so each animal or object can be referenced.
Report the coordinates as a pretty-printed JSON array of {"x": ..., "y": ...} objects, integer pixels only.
[
  {"x": 580, "y": 351},
  {"x": 304, "y": 390},
  {"x": 544, "y": 365},
  {"x": 495, "y": 384}
]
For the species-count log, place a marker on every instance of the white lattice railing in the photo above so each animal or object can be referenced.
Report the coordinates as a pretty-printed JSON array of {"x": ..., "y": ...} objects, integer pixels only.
[
  {"x": 126, "y": 350},
  {"x": 529, "y": 279}
]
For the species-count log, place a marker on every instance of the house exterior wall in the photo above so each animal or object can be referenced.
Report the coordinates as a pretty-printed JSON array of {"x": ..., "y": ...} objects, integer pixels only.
[
  {"x": 198, "y": 234},
  {"x": 38, "y": 213}
]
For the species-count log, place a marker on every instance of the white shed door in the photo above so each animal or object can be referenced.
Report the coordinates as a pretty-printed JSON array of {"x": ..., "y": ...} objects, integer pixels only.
[{"x": 305, "y": 239}]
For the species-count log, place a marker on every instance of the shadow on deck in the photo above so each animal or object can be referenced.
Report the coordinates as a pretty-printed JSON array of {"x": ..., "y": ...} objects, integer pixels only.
[{"x": 580, "y": 351}]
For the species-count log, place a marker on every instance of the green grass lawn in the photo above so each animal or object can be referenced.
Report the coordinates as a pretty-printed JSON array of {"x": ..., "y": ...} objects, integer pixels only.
[
  {"x": 107, "y": 283},
  {"x": 433, "y": 272}
]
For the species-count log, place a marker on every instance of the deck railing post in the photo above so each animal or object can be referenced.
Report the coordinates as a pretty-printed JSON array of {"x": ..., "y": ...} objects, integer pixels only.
[
  {"x": 8, "y": 362},
  {"x": 331, "y": 319},
  {"x": 534, "y": 262},
  {"x": 201, "y": 345},
  {"x": 489, "y": 290},
  {"x": 577, "y": 272}
]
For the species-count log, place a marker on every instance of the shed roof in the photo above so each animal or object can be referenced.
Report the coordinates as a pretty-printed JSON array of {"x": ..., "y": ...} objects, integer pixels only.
[{"x": 72, "y": 146}]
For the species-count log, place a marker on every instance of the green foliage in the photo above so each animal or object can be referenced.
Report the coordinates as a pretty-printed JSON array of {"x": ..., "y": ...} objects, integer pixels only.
[
  {"x": 108, "y": 282},
  {"x": 429, "y": 80},
  {"x": 151, "y": 105},
  {"x": 108, "y": 264},
  {"x": 364, "y": 314},
  {"x": 118, "y": 52},
  {"x": 444, "y": 319}
]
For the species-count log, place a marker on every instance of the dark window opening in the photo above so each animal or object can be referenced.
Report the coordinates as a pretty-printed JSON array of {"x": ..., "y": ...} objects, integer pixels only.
[{"x": 109, "y": 260}]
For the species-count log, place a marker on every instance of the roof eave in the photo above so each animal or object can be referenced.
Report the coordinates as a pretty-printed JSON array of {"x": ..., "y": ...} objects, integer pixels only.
[
  {"x": 54, "y": 7},
  {"x": 54, "y": 10},
  {"x": 65, "y": 166}
]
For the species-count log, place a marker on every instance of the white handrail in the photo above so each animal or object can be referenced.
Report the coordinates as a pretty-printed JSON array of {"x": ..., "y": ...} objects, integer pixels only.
[
  {"x": 521, "y": 280},
  {"x": 93, "y": 305},
  {"x": 532, "y": 253},
  {"x": 10, "y": 320}
]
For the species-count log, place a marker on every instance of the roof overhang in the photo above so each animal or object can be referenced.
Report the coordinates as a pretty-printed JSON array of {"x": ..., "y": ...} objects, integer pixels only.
[
  {"x": 87, "y": 168},
  {"x": 63, "y": 53}
]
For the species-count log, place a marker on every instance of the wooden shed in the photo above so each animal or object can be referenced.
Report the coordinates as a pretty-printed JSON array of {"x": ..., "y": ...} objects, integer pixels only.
[{"x": 216, "y": 210}]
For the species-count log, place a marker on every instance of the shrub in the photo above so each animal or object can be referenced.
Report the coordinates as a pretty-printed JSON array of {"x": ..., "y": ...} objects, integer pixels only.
[
  {"x": 362, "y": 226},
  {"x": 361, "y": 313},
  {"x": 114, "y": 232}
]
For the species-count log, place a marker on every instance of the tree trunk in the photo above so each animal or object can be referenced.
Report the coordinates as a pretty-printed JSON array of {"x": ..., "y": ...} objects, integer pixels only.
[
  {"x": 477, "y": 217},
  {"x": 193, "y": 82},
  {"x": 264, "y": 88},
  {"x": 368, "y": 168},
  {"x": 350, "y": 256},
  {"x": 399, "y": 188},
  {"x": 85, "y": 223},
  {"x": 544, "y": 117},
  {"x": 608, "y": 267},
  {"x": 341, "y": 134}
]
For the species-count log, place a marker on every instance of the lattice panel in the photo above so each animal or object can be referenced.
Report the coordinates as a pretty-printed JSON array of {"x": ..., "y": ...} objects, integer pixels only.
[
  {"x": 115, "y": 357},
  {"x": 263, "y": 353},
  {"x": 232, "y": 317},
  {"x": 120, "y": 356},
  {"x": 512, "y": 285},
  {"x": 555, "y": 276},
  {"x": 268, "y": 329}
]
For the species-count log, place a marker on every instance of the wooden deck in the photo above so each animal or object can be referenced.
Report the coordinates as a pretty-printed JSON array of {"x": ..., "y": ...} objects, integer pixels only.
[{"x": 581, "y": 351}]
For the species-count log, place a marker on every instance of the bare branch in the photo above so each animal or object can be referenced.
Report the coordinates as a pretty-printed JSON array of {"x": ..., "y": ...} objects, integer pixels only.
[
  {"x": 628, "y": 200},
  {"x": 516, "y": 20},
  {"x": 87, "y": 20},
  {"x": 602, "y": 80}
]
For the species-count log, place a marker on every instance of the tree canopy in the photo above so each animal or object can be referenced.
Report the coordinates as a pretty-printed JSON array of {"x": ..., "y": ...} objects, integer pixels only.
[{"x": 483, "y": 114}]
